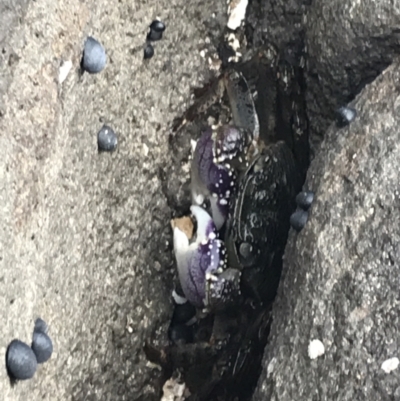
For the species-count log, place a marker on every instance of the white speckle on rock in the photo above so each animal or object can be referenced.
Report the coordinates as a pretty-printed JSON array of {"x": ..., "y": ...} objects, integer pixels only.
[
  {"x": 237, "y": 13},
  {"x": 271, "y": 367},
  {"x": 316, "y": 349},
  {"x": 390, "y": 364},
  {"x": 145, "y": 150},
  {"x": 193, "y": 144},
  {"x": 65, "y": 68}
]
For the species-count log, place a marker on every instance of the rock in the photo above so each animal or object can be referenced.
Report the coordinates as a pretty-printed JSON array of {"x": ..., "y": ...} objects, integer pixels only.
[
  {"x": 85, "y": 241},
  {"x": 338, "y": 65},
  {"x": 341, "y": 274},
  {"x": 365, "y": 42}
]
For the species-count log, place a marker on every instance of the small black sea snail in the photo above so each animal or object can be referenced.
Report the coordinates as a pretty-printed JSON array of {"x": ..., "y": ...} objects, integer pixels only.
[
  {"x": 21, "y": 361},
  {"x": 106, "y": 139},
  {"x": 304, "y": 199},
  {"x": 94, "y": 56},
  {"x": 42, "y": 345},
  {"x": 298, "y": 219},
  {"x": 156, "y": 30},
  {"x": 345, "y": 115}
]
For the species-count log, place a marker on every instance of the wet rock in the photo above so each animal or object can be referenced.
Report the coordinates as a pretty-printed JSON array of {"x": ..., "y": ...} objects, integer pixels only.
[
  {"x": 341, "y": 277},
  {"x": 183, "y": 313},
  {"x": 180, "y": 334}
]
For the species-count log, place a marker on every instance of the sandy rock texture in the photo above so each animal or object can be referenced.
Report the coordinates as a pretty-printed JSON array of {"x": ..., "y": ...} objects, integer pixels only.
[
  {"x": 346, "y": 44},
  {"x": 342, "y": 272},
  {"x": 85, "y": 237}
]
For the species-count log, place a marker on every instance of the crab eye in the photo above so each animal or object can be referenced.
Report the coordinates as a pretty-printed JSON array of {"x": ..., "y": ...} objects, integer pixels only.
[{"x": 207, "y": 254}]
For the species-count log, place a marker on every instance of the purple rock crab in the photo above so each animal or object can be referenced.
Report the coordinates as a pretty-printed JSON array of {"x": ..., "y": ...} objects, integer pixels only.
[
  {"x": 250, "y": 186},
  {"x": 245, "y": 174}
]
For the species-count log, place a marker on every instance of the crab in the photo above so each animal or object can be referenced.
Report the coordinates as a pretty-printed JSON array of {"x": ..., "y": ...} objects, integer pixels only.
[
  {"x": 250, "y": 185},
  {"x": 245, "y": 174}
]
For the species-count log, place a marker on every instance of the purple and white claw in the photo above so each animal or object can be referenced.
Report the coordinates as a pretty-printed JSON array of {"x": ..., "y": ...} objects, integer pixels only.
[
  {"x": 209, "y": 179},
  {"x": 206, "y": 228},
  {"x": 195, "y": 260}
]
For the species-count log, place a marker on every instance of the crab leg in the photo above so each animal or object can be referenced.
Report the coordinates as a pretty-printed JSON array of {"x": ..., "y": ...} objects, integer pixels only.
[{"x": 242, "y": 103}]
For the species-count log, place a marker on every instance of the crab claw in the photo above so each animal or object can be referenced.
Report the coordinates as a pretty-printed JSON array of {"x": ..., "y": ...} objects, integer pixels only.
[
  {"x": 195, "y": 260},
  {"x": 209, "y": 179},
  {"x": 206, "y": 228}
]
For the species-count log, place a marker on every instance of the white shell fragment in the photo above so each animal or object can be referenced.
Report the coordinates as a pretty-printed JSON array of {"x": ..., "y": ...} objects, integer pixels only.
[
  {"x": 315, "y": 349},
  {"x": 193, "y": 145},
  {"x": 390, "y": 364},
  {"x": 237, "y": 13},
  {"x": 173, "y": 391},
  {"x": 65, "y": 68}
]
